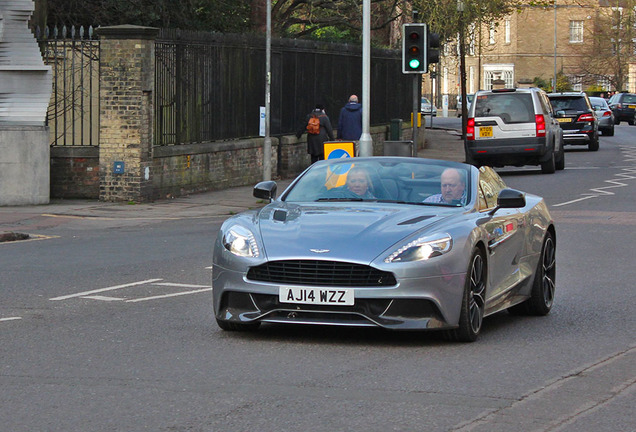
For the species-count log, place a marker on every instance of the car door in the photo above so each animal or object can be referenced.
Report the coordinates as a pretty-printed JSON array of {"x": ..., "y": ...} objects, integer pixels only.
[{"x": 505, "y": 237}]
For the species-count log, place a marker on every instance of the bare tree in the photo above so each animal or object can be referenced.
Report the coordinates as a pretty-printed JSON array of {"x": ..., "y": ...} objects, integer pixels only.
[{"x": 610, "y": 49}]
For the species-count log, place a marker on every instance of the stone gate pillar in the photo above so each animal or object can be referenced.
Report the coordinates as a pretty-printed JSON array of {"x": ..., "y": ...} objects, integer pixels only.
[
  {"x": 25, "y": 91},
  {"x": 126, "y": 93}
]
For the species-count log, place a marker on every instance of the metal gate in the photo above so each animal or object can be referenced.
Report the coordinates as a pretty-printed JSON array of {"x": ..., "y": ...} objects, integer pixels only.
[{"x": 73, "y": 113}]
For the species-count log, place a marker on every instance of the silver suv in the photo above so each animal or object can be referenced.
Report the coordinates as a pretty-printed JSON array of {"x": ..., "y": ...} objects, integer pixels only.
[{"x": 514, "y": 127}]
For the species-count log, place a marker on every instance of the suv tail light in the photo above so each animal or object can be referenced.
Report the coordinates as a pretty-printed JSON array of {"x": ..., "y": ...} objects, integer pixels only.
[
  {"x": 540, "y": 121},
  {"x": 586, "y": 117},
  {"x": 470, "y": 129}
]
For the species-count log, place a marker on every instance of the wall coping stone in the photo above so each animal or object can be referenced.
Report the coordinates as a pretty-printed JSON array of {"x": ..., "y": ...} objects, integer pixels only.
[
  {"x": 127, "y": 31},
  {"x": 75, "y": 152},
  {"x": 209, "y": 147}
]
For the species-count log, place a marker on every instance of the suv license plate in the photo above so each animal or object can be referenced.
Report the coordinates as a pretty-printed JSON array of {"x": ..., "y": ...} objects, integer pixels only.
[
  {"x": 485, "y": 132},
  {"x": 564, "y": 120},
  {"x": 319, "y": 296}
]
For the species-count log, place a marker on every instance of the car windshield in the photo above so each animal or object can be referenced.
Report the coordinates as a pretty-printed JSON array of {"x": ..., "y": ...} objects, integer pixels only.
[
  {"x": 384, "y": 180},
  {"x": 569, "y": 103},
  {"x": 510, "y": 107}
]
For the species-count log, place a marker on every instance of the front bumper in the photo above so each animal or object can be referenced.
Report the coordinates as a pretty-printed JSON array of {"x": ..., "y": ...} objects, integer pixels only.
[{"x": 412, "y": 304}]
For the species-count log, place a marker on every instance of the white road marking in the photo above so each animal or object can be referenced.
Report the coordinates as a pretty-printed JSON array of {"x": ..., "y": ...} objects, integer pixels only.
[
  {"x": 168, "y": 295},
  {"x": 628, "y": 173},
  {"x": 103, "y": 298},
  {"x": 10, "y": 319},
  {"x": 112, "y": 288},
  {"x": 172, "y": 284}
]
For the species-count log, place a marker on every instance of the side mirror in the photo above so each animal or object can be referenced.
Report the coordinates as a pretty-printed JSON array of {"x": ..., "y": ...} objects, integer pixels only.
[
  {"x": 265, "y": 190},
  {"x": 509, "y": 198}
]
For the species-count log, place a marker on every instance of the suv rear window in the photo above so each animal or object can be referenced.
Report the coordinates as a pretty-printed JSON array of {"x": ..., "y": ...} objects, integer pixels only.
[
  {"x": 569, "y": 103},
  {"x": 510, "y": 107}
]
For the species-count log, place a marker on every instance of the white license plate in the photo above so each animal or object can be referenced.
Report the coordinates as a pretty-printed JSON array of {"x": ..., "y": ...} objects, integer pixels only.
[{"x": 318, "y": 296}]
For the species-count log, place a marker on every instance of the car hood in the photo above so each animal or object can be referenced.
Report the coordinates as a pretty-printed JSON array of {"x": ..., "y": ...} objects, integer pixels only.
[{"x": 340, "y": 231}]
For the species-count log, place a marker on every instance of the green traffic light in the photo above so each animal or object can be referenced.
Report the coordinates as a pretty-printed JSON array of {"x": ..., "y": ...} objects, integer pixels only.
[{"x": 414, "y": 63}]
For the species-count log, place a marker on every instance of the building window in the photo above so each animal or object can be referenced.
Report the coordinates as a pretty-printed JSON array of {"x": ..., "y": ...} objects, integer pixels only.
[
  {"x": 471, "y": 80},
  {"x": 507, "y": 31},
  {"x": 498, "y": 72},
  {"x": 491, "y": 34},
  {"x": 604, "y": 83},
  {"x": 576, "y": 31}
]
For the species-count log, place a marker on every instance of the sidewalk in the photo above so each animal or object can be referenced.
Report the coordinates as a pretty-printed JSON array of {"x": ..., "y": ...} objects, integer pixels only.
[{"x": 441, "y": 144}]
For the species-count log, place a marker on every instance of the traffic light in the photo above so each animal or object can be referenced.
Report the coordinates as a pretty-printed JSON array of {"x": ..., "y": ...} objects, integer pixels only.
[
  {"x": 432, "y": 48},
  {"x": 414, "y": 48}
]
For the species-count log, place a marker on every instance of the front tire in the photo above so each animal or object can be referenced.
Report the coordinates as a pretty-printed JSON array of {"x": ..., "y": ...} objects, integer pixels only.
[
  {"x": 473, "y": 302},
  {"x": 542, "y": 294}
]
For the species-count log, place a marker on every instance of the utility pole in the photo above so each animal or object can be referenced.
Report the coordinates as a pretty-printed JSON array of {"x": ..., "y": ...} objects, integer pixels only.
[
  {"x": 366, "y": 143},
  {"x": 267, "y": 142}
]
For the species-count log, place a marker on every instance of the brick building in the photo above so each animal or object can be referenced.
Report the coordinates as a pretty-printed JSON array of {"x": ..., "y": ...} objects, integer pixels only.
[{"x": 576, "y": 38}]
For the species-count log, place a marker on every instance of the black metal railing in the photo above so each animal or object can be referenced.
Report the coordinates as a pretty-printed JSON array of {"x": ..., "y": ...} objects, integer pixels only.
[
  {"x": 210, "y": 86},
  {"x": 73, "y": 113}
]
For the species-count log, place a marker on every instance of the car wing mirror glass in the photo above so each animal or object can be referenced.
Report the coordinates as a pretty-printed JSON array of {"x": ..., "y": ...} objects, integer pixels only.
[{"x": 265, "y": 190}]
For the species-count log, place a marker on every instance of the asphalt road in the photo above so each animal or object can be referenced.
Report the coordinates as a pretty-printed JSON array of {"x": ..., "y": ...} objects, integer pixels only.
[{"x": 107, "y": 326}]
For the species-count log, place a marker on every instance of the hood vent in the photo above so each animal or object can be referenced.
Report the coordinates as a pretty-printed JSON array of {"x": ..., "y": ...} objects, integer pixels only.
[{"x": 415, "y": 220}]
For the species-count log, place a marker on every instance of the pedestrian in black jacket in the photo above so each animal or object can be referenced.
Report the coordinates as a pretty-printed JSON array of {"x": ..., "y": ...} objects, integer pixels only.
[{"x": 315, "y": 142}]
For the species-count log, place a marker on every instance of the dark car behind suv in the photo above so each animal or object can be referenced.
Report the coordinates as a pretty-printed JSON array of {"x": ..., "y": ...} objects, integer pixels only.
[
  {"x": 623, "y": 105},
  {"x": 577, "y": 118}
]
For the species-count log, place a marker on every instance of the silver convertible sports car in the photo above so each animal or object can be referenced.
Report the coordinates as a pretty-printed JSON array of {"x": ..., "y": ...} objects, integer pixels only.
[{"x": 397, "y": 243}]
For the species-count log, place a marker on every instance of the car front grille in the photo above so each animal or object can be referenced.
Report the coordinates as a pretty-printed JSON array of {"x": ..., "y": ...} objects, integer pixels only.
[{"x": 320, "y": 273}]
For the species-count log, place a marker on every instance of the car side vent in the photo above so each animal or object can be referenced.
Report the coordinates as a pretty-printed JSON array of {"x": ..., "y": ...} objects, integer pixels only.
[{"x": 280, "y": 215}]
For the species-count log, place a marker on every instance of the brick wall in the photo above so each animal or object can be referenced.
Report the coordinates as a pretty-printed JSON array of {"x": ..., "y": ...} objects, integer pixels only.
[
  {"x": 75, "y": 172},
  {"x": 191, "y": 168}
]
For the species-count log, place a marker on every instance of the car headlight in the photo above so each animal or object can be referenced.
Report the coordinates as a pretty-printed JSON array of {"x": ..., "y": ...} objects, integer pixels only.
[
  {"x": 422, "y": 249},
  {"x": 240, "y": 241}
]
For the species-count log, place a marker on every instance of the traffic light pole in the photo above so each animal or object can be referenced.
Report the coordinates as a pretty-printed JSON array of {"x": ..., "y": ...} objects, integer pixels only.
[{"x": 416, "y": 110}]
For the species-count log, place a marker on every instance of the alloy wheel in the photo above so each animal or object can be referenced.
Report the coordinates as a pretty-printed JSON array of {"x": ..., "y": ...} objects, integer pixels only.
[
  {"x": 548, "y": 271},
  {"x": 476, "y": 298}
]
